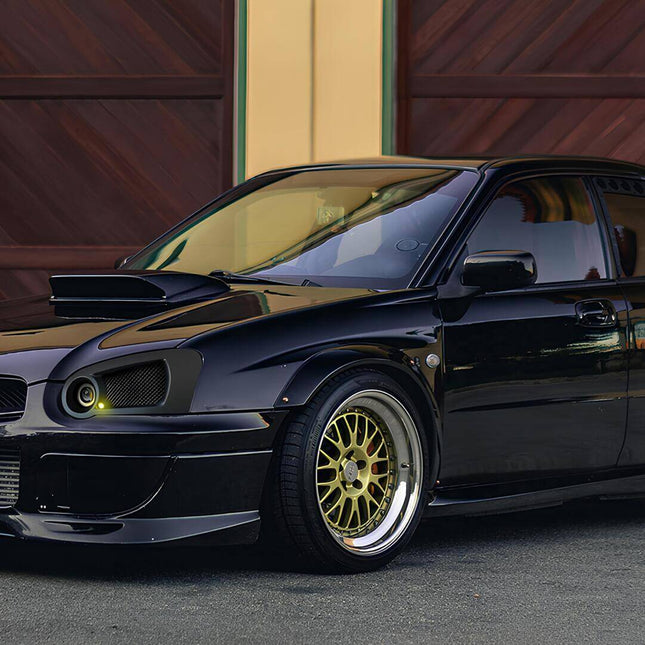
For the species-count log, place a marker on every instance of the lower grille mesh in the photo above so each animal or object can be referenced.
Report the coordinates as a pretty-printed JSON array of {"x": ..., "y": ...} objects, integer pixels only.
[
  {"x": 141, "y": 386},
  {"x": 13, "y": 395},
  {"x": 9, "y": 476}
]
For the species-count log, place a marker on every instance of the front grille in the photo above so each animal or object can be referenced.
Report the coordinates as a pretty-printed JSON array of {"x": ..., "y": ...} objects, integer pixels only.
[
  {"x": 9, "y": 476},
  {"x": 141, "y": 386},
  {"x": 13, "y": 396}
]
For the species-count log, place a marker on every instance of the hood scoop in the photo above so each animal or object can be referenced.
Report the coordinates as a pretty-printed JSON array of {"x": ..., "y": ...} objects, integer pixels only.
[{"x": 129, "y": 294}]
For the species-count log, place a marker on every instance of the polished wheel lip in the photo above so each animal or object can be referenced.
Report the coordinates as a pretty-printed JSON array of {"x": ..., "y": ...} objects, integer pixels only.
[{"x": 408, "y": 468}]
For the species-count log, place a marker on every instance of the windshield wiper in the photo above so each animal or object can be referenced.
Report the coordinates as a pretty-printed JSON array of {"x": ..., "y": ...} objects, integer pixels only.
[{"x": 229, "y": 276}]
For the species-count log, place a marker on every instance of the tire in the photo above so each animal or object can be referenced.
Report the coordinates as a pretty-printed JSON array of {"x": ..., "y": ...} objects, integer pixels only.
[{"x": 349, "y": 475}]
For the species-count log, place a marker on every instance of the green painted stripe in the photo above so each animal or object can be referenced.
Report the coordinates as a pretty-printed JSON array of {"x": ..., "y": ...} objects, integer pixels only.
[
  {"x": 242, "y": 37},
  {"x": 387, "y": 69}
]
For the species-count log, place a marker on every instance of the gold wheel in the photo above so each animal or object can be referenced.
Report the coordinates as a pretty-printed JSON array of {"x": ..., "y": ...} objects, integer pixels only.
[
  {"x": 369, "y": 472},
  {"x": 355, "y": 472}
]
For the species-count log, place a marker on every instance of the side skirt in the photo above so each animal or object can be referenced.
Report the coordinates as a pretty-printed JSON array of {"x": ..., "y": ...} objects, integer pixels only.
[{"x": 490, "y": 500}]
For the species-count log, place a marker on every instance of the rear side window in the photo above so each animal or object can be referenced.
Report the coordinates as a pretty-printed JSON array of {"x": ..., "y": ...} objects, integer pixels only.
[
  {"x": 625, "y": 202},
  {"x": 551, "y": 217}
]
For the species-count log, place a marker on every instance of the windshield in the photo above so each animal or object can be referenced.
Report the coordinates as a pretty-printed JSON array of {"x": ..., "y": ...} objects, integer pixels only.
[{"x": 366, "y": 227}]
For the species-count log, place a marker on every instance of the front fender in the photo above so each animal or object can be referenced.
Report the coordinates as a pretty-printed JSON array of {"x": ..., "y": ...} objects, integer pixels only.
[
  {"x": 255, "y": 365},
  {"x": 319, "y": 368}
]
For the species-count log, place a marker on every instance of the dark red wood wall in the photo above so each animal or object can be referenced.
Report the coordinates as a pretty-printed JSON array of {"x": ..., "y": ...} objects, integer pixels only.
[
  {"x": 115, "y": 122},
  {"x": 529, "y": 76}
]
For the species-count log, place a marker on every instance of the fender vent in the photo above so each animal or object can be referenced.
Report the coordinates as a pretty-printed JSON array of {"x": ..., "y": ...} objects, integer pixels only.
[
  {"x": 140, "y": 386},
  {"x": 9, "y": 476},
  {"x": 13, "y": 397}
]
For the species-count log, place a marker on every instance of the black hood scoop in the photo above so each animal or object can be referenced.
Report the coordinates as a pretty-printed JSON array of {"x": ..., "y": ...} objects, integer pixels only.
[{"x": 129, "y": 294}]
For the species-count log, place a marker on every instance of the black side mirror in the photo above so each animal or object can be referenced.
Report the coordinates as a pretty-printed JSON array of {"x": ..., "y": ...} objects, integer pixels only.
[{"x": 499, "y": 270}]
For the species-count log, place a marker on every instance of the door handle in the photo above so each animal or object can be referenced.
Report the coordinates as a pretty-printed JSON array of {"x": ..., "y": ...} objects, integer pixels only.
[{"x": 596, "y": 313}]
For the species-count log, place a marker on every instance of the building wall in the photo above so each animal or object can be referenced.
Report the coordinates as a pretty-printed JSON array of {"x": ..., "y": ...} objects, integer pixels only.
[
  {"x": 119, "y": 118},
  {"x": 314, "y": 81},
  {"x": 510, "y": 76},
  {"x": 116, "y": 121}
]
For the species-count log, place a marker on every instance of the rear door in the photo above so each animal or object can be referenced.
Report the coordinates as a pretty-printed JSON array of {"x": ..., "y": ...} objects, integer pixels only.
[
  {"x": 536, "y": 379},
  {"x": 624, "y": 203}
]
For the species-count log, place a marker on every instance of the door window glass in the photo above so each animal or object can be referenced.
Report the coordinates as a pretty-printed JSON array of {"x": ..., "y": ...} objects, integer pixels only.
[
  {"x": 553, "y": 218},
  {"x": 625, "y": 200}
]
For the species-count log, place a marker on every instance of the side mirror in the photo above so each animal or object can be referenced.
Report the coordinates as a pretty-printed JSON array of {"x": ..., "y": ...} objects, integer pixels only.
[{"x": 499, "y": 270}]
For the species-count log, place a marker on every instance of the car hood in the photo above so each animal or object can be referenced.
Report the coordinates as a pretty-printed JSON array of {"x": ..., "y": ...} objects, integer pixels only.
[{"x": 34, "y": 337}]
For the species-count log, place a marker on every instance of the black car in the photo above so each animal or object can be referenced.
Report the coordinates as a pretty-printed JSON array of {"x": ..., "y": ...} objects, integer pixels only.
[{"x": 326, "y": 354}]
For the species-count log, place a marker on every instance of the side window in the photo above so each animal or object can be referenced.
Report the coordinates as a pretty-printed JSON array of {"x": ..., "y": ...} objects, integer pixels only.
[
  {"x": 554, "y": 219},
  {"x": 625, "y": 201}
]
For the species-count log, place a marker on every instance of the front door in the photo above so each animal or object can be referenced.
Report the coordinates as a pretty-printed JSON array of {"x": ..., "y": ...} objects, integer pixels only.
[
  {"x": 624, "y": 201},
  {"x": 536, "y": 379}
]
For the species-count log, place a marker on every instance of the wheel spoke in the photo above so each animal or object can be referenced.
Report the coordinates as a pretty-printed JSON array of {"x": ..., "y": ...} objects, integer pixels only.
[
  {"x": 363, "y": 510},
  {"x": 377, "y": 458},
  {"x": 330, "y": 437},
  {"x": 370, "y": 499},
  {"x": 345, "y": 513},
  {"x": 370, "y": 436},
  {"x": 333, "y": 487},
  {"x": 354, "y": 516},
  {"x": 354, "y": 497},
  {"x": 335, "y": 505},
  {"x": 377, "y": 482},
  {"x": 329, "y": 458}
]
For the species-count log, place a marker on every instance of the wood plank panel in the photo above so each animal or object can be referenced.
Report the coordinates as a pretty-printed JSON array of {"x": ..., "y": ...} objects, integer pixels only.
[
  {"x": 132, "y": 86},
  {"x": 116, "y": 172},
  {"x": 119, "y": 37},
  {"x": 62, "y": 258},
  {"x": 18, "y": 283},
  {"x": 607, "y": 128},
  {"x": 520, "y": 37},
  {"x": 115, "y": 123},
  {"x": 528, "y": 85},
  {"x": 509, "y": 76}
]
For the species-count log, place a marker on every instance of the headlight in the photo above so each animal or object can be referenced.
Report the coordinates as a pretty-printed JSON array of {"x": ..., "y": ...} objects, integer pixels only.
[
  {"x": 81, "y": 396},
  {"x": 147, "y": 383},
  {"x": 84, "y": 394}
]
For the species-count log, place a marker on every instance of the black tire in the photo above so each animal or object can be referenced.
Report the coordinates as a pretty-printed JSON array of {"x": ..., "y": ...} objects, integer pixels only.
[{"x": 293, "y": 514}]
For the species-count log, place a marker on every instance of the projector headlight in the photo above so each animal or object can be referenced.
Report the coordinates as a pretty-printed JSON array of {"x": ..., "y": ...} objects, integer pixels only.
[
  {"x": 86, "y": 394},
  {"x": 160, "y": 382},
  {"x": 81, "y": 395}
]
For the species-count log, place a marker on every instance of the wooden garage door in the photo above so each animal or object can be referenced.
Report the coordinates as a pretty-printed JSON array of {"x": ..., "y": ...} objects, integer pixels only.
[
  {"x": 115, "y": 123},
  {"x": 510, "y": 76}
]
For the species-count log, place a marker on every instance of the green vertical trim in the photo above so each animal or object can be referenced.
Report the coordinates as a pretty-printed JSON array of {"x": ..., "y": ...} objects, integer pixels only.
[
  {"x": 312, "y": 96},
  {"x": 240, "y": 117},
  {"x": 387, "y": 70}
]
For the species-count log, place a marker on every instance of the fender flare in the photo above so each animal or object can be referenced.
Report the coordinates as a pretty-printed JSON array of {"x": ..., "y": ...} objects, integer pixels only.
[{"x": 319, "y": 368}]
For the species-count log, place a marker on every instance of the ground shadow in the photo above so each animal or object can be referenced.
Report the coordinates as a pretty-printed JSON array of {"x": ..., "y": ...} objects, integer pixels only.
[{"x": 156, "y": 564}]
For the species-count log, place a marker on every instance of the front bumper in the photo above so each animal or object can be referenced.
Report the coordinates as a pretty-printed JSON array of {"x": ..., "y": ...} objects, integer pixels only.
[{"x": 139, "y": 479}]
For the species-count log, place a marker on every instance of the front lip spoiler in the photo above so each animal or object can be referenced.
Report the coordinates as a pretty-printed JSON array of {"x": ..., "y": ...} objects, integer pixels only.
[{"x": 54, "y": 527}]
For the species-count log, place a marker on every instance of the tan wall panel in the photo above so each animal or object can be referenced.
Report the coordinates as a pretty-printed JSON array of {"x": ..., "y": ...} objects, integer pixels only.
[
  {"x": 347, "y": 90},
  {"x": 279, "y": 118},
  {"x": 314, "y": 81}
]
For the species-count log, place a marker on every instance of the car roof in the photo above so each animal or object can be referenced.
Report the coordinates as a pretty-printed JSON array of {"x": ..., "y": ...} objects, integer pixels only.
[{"x": 505, "y": 164}]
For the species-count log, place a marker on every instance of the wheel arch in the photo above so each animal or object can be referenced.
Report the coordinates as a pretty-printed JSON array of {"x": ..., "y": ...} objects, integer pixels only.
[{"x": 325, "y": 365}]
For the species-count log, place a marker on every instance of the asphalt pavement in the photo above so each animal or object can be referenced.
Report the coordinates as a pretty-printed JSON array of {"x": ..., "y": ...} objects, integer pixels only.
[{"x": 575, "y": 574}]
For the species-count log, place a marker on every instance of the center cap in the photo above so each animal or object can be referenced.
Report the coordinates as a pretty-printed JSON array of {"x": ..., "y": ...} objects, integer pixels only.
[{"x": 350, "y": 471}]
